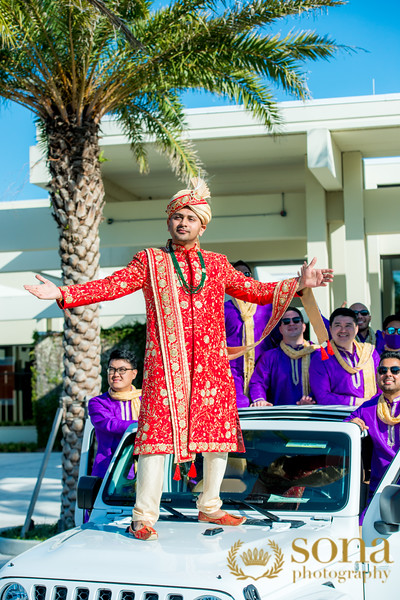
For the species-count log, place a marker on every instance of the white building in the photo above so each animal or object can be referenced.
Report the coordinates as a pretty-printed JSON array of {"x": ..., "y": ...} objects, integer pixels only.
[{"x": 332, "y": 170}]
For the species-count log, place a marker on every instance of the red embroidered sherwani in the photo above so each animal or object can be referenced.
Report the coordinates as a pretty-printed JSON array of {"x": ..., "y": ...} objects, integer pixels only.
[{"x": 206, "y": 420}]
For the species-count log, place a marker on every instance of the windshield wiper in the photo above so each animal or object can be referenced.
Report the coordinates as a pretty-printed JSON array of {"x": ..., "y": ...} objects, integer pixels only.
[
  {"x": 259, "y": 509},
  {"x": 174, "y": 512}
]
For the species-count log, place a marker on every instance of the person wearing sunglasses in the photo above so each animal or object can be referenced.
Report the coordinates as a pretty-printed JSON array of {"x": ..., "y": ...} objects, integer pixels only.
[
  {"x": 281, "y": 374},
  {"x": 380, "y": 417},
  {"x": 112, "y": 412},
  {"x": 391, "y": 333},
  {"x": 365, "y": 331},
  {"x": 244, "y": 324},
  {"x": 347, "y": 377}
]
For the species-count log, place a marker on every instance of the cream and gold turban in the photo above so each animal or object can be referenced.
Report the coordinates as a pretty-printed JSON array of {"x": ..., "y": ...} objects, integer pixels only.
[{"x": 194, "y": 198}]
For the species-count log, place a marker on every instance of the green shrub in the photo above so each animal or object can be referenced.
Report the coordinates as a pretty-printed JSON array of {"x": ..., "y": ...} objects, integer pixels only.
[
  {"x": 18, "y": 447},
  {"x": 44, "y": 410},
  {"x": 26, "y": 423},
  {"x": 37, "y": 532}
]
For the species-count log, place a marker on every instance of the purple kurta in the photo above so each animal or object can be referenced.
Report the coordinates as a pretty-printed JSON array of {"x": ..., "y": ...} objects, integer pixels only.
[
  {"x": 234, "y": 337},
  {"x": 274, "y": 378},
  {"x": 385, "y": 438},
  {"x": 331, "y": 384},
  {"x": 110, "y": 419}
]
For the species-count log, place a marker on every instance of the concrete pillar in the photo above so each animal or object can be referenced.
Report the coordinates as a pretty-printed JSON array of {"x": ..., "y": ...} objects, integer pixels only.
[
  {"x": 375, "y": 280},
  {"x": 337, "y": 236},
  {"x": 317, "y": 239},
  {"x": 353, "y": 200}
]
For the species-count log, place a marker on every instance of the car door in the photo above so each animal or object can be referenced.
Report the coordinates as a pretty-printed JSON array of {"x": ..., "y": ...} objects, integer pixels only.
[{"x": 382, "y": 565}]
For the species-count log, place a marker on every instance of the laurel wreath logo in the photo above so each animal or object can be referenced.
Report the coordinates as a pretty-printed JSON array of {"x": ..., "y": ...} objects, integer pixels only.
[{"x": 270, "y": 573}]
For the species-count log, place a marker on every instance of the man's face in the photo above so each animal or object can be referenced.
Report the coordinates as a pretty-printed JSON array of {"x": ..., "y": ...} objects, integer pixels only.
[
  {"x": 120, "y": 375},
  {"x": 390, "y": 326},
  {"x": 185, "y": 227},
  {"x": 291, "y": 326},
  {"x": 363, "y": 315},
  {"x": 343, "y": 330},
  {"x": 389, "y": 382}
]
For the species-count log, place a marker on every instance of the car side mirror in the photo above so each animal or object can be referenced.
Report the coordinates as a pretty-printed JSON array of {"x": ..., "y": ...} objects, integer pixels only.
[
  {"x": 389, "y": 505},
  {"x": 88, "y": 488}
]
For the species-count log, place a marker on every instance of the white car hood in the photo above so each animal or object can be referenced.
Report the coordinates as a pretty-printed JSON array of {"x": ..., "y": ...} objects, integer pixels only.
[{"x": 182, "y": 556}]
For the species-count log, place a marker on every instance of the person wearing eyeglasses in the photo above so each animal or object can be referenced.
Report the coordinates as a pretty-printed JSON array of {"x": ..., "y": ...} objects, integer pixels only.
[
  {"x": 391, "y": 333},
  {"x": 365, "y": 331},
  {"x": 244, "y": 325},
  {"x": 348, "y": 377},
  {"x": 112, "y": 412},
  {"x": 281, "y": 374},
  {"x": 380, "y": 416}
]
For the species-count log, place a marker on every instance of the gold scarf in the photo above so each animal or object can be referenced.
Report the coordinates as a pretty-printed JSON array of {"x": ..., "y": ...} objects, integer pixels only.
[
  {"x": 304, "y": 354},
  {"x": 132, "y": 396},
  {"x": 365, "y": 364},
  {"x": 370, "y": 339},
  {"x": 383, "y": 412},
  {"x": 247, "y": 311}
]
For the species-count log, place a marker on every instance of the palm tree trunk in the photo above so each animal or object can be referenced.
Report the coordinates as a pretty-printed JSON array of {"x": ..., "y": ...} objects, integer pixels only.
[{"x": 77, "y": 196}]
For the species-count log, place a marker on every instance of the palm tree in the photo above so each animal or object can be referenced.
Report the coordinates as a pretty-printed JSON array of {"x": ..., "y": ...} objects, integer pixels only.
[{"x": 72, "y": 61}]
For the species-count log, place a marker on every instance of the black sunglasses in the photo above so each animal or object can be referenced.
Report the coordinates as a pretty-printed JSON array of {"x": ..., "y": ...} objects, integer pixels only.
[
  {"x": 384, "y": 370},
  {"x": 363, "y": 312},
  {"x": 392, "y": 330},
  {"x": 287, "y": 320}
]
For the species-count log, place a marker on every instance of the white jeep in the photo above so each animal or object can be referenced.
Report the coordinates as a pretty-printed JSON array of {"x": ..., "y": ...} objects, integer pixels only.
[{"x": 300, "y": 484}]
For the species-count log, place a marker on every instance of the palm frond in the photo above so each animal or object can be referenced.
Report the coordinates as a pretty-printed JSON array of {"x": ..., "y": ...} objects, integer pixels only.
[{"x": 116, "y": 22}]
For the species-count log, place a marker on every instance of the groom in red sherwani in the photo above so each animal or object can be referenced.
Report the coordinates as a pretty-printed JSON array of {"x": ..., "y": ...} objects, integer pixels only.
[{"x": 188, "y": 399}]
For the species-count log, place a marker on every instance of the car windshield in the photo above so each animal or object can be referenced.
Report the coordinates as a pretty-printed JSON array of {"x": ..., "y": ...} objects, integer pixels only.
[{"x": 281, "y": 470}]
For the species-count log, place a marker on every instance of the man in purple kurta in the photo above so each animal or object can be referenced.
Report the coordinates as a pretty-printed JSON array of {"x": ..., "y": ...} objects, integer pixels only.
[
  {"x": 281, "y": 374},
  {"x": 380, "y": 416},
  {"x": 111, "y": 413},
  {"x": 390, "y": 334},
  {"x": 365, "y": 332},
  {"x": 348, "y": 377},
  {"x": 235, "y": 336}
]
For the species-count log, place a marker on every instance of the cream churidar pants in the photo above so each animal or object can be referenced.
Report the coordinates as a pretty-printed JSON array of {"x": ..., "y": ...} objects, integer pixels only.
[{"x": 150, "y": 478}]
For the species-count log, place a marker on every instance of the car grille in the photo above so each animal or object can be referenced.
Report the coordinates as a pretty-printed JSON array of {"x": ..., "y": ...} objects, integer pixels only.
[{"x": 51, "y": 591}]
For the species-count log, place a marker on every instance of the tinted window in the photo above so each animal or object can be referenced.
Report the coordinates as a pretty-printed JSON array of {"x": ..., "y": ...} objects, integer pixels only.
[{"x": 281, "y": 470}]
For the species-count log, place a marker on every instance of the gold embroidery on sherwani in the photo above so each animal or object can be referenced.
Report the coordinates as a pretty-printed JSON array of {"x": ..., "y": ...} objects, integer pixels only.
[
  {"x": 365, "y": 364},
  {"x": 247, "y": 311},
  {"x": 304, "y": 355},
  {"x": 173, "y": 348},
  {"x": 283, "y": 294},
  {"x": 132, "y": 396}
]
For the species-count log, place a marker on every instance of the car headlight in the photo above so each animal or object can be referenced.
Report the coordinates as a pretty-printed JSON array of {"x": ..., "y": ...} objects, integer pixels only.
[{"x": 14, "y": 591}]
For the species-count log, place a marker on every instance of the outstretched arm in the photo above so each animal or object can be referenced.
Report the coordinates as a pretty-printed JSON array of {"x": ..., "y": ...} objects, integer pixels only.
[
  {"x": 47, "y": 290},
  {"x": 120, "y": 283}
]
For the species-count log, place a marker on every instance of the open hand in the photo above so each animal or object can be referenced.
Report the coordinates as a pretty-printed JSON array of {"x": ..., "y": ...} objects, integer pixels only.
[
  {"x": 360, "y": 423},
  {"x": 312, "y": 278},
  {"x": 306, "y": 400},
  {"x": 47, "y": 290},
  {"x": 260, "y": 402}
]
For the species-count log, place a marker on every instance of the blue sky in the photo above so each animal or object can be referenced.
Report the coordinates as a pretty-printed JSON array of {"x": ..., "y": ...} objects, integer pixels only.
[{"x": 371, "y": 26}]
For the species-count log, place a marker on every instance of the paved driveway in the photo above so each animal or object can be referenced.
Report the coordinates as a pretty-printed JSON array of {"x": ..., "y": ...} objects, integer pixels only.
[{"x": 18, "y": 474}]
